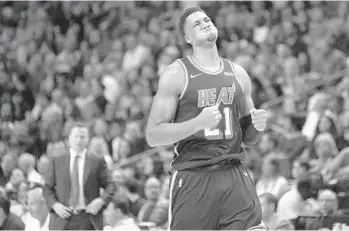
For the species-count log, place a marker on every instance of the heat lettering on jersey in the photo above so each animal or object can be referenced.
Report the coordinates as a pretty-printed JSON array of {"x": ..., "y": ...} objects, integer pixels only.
[{"x": 208, "y": 97}]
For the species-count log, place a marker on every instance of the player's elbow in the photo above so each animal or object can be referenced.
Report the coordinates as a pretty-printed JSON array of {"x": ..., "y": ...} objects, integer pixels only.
[{"x": 150, "y": 137}]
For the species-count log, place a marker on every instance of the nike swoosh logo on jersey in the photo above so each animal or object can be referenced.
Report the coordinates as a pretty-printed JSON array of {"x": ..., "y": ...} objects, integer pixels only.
[{"x": 193, "y": 76}]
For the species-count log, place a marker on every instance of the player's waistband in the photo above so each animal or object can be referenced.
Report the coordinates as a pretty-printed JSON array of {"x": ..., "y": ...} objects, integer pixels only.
[
  {"x": 214, "y": 164},
  {"x": 225, "y": 164}
]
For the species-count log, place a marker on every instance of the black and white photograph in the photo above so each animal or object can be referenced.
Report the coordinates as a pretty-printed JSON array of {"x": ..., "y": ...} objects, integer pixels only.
[{"x": 174, "y": 115}]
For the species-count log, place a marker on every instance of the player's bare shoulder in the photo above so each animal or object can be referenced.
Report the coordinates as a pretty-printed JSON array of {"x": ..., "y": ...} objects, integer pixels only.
[
  {"x": 242, "y": 77},
  {"x": 172, "y": 79}
]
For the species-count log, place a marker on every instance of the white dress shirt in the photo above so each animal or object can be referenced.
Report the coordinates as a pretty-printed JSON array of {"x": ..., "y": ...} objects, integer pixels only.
[
  {"x": 34, "y": 224},
  {"x": 35, "y": 177},
  {"x": 291, "y": 205},
  {"x": 81, "y": 166},
  {"x": 125, "y": 224}
]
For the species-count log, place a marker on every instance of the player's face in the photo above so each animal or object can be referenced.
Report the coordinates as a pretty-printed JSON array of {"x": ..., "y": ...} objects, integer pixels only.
[{"x": 200, "y": 29}]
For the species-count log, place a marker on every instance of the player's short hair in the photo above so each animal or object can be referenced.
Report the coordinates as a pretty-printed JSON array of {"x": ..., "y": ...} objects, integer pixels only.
[{"x": 183, "y": 18}]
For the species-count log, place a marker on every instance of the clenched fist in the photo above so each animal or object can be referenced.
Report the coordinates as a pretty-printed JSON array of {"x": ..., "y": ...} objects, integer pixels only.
[
  {"x": 259, "y": 119},
  {"x": 210, "y": 117}
]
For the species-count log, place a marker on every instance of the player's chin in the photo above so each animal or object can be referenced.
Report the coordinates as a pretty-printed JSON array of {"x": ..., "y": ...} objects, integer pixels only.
[{"x": 212, "y": 37}]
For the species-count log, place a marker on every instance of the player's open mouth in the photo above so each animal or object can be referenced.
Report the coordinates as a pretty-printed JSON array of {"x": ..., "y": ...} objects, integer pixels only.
[{"x": 207, "y": 29}]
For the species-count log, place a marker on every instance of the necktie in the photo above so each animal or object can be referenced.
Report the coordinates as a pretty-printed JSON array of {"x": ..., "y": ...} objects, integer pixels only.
[{"x": 75, "y": 192}]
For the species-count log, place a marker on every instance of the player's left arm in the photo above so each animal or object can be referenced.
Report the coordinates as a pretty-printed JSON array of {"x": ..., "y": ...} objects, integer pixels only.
[{"x": 252, "y": 121}]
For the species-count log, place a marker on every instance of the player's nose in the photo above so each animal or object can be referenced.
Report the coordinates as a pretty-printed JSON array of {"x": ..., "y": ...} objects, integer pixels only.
[{"x": 206, "y": 25}]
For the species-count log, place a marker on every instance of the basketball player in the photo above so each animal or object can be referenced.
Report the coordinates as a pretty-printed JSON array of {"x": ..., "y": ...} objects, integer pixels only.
[{"x": 204, "y": 106}]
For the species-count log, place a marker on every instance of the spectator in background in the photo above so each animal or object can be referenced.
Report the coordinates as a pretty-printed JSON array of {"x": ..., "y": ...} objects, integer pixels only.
[
  {"x": 326, "y": 150},
  {"x": 328, "y": 202},
  {"x": 38, "y": 210},
  {"x": 44, "y": 165},
  {"x": 155, "y": 208},
  {"x": 339, "y": 166},
  {"x": 328, "y": 124},
  {"x": 136, "y": 201},
  {"x": 26, "y": 163},
  {"x": 300, "y": 200},
  {"x": 271, "y": 219},
  {"x": 8, "y": 163},
  {"x": 8, "y": 221},
  {"x": 117, "y": 215},
  {"x": 121, "y": 149},
  {"x": 19, "y": 81},
  {"x": 98, "y": 88},
  {"x": 299, "y": 168},
  {"x": 99, "y": 146},
  {"x": 19, "y": 203},
  {"x": 135, "y": 135},
  {"x": 272, "y": 181},
  {"x": 17, "y": 177}
]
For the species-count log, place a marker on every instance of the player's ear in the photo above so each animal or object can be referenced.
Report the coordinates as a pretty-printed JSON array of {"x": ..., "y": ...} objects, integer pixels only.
[{"x": 187, "y": 38}]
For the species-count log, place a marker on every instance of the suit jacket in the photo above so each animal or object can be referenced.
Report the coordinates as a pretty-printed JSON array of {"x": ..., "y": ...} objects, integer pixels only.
[
  {"x": 12, "y": 222},
  {"x": 57, "y": 186}
]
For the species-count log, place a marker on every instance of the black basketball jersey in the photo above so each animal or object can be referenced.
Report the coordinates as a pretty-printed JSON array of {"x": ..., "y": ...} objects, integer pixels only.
[{"x": 204, "y": 89}]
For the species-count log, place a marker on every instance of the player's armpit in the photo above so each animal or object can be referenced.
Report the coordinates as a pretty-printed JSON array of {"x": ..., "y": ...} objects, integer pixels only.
[
  {"x": 160, "y": 129},
  {"x": 250, "y": 135}
]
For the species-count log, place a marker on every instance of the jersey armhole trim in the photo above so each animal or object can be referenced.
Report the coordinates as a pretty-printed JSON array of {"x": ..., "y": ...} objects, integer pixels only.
[
  {"x": 235, "y": 74},
  {"x": 186, "y": 79}
]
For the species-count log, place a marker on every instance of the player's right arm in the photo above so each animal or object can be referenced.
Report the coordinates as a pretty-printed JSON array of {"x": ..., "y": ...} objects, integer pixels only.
[{"x": 160, "y": 129}]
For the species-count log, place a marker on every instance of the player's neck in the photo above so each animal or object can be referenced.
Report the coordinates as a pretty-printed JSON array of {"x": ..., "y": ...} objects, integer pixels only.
[{"x": 206, "y": 56}]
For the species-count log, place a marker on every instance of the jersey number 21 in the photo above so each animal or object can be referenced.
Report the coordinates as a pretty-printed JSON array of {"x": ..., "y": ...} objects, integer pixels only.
[{"x": 217, "y": 134}]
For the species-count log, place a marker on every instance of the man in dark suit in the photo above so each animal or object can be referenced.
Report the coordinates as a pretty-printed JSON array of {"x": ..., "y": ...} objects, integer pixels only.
[{"x": 72, "y": 188}]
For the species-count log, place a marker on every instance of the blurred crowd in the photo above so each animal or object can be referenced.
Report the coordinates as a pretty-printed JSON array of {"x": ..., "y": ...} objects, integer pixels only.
[{"x": 99, "y": 62}]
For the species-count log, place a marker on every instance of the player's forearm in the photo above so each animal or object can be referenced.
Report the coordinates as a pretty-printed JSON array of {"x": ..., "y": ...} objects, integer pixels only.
[
  {"x": 250, "y": 135},
  {"x": 170, "y": 133}
]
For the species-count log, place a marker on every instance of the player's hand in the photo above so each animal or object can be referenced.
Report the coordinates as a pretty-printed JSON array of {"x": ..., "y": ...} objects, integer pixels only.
[
  {"x": 210, "y": 117},
  {"x": 259, "y": 119},
  {"x": 61, "y": 210}
]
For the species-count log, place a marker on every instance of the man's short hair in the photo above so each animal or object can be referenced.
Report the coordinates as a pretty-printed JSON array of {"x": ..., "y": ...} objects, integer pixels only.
[
  {"x": 270, "y": 199},
  {"x": 78, "y": 124},
  {"x": 183, "y": 18}
]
